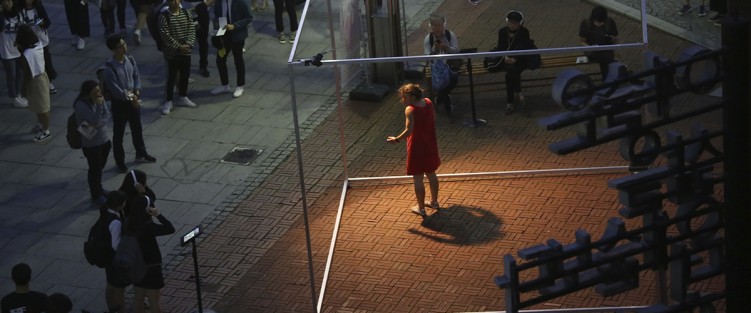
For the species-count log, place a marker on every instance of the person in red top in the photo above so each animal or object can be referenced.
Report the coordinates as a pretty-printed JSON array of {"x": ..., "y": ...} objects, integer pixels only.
[{"x": 422, "y": 146}]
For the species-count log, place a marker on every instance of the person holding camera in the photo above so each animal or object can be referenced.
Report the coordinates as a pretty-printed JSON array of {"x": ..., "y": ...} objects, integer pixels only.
[
  {"x": 92, "y": 116},
  {"x": 443, "y": 41}
]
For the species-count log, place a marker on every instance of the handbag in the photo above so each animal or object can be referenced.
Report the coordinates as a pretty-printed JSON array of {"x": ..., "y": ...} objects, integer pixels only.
[
  {"x": 217, "y": 42},
  {"x": 440, "y": 74},
  {"x": 493, "y": 64}
]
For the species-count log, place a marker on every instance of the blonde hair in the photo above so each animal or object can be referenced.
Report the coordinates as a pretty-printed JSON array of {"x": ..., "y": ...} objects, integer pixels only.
[{"x": 412, "y": 89}]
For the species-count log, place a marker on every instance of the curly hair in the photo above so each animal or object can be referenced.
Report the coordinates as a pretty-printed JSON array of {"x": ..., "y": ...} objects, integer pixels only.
[{"x": 412, "y": 89}]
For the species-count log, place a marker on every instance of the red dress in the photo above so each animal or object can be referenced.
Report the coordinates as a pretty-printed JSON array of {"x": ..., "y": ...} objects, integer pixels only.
[{"x": 422, "y": 146}]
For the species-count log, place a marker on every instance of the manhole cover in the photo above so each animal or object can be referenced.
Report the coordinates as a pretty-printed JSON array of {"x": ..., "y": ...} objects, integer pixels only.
[{"x": 242, "y": 156}]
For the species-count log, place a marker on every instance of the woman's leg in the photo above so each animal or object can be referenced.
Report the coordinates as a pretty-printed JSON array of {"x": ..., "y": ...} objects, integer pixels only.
[
  {"x": 138, "y": 295},
  {"x": 10, "y": 80},
  {"x": 171, "y": 76},
  {"x": 154, "y": 302},
  {"x": 44, "y": 120},
  {"x": 433, "y": 180},
  {"x": 237, "y": 54},
  {"x": 419, "y": 190},
  {"x": 184, "y": 71}
]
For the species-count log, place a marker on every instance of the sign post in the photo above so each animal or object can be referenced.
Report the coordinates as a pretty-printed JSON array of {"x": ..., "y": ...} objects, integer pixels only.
[{"x": 190, "y": 237}]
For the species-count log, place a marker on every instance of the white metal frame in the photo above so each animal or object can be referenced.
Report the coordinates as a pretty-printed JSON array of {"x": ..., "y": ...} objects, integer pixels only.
[{"x": 292, "y": 63}]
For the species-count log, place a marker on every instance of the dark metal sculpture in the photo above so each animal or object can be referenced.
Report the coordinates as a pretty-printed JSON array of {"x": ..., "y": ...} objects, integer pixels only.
[{"x": 630, "y": 109}]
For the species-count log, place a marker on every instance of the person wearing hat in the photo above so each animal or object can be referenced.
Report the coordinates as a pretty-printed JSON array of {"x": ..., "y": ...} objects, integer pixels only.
[
  {"x": 514, "y": 36},
  {"x": 598, "y": 30}
]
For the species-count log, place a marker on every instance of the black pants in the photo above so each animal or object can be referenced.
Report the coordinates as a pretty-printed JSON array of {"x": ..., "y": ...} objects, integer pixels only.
[
  {"x": 443, "y": 94},
  {"x": 78, "y": 17},
  {"x": 108, "y": 20},
  {"x": 123, "y": 112},
  {"x": 236, "y": 48},
  {"x": 177, "y": 64},
  {"x": 513, "y": 80},
  {"x": 279, "y": 6},
  {"x": 202, "y": 34},
  {"x": 121, "y": 13},
  {"x": 97, "y": 158},
  {"x": 48, "y": 68}
]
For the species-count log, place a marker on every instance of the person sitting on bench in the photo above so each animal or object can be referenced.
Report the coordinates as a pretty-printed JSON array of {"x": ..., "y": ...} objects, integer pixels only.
[
  {"x": 442, "y": 41},
  {"x": 513, "y": 37}
]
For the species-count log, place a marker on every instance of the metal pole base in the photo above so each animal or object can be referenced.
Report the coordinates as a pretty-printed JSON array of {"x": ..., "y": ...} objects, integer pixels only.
[{"x": 474, "y": 123}]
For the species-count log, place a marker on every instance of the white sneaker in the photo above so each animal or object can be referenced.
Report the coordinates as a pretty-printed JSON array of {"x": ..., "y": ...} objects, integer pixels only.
[
  {"x": 53, "y": 90},
  {"x": 292, "y": 37},
  {"x": 238, "y": 92},
  {"x": 166, "y": 107},
  {"x": 137, "y": 37},
  {"x": 42, "y": 136},
  {"x": 220, "y": 89},
  {"x": 81, "y": 44},
  {"x": 184, "y": 101},
  {"x": 20, "y": 102}
]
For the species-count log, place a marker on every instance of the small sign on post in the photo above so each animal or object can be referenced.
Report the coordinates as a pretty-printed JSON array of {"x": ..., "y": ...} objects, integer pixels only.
[{"x": 190, "y": 237}]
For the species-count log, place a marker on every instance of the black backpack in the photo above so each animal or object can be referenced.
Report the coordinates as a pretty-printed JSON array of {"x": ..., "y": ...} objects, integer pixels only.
[
  {"x": 152, "y": 23},
  {"x": 98, "y": 246},
  {"x": 72, "y": 135}
]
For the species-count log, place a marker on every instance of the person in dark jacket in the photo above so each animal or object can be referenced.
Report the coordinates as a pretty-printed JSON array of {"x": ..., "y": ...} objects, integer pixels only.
[
  {"x": 92, "y": 114},
  {"x": 112, "y": 213},
  {"x": 513, "y": 37},
  {"x": 141, "y": 224},
  {"x": 237, "y": 14},
  {"x": 599, "y": 30}
]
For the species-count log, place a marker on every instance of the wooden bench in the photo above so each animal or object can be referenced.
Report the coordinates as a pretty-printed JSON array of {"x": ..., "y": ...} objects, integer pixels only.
[{"x": 497, "y": 78}]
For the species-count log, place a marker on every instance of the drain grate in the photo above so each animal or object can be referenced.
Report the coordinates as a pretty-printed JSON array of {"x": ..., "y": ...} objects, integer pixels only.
[{"x": 242, "y": 156}]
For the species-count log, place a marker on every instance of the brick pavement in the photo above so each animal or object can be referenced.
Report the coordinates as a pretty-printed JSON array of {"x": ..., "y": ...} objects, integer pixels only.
[{"x": 386, "y": 259}]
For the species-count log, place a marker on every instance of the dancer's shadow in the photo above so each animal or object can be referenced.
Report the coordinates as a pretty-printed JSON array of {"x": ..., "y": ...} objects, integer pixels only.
[{"x": 461, "y": 225}]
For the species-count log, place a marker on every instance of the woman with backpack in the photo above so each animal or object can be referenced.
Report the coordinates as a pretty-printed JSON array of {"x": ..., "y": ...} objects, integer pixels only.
[
  {"x": 111, "y": 213},
  {"x": 139, "y": 223},
  {"x": 92, "y": 116}
]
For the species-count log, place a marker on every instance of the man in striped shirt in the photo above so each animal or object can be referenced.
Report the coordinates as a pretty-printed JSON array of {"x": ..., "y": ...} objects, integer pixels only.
[{"x": 178, "y": 36}]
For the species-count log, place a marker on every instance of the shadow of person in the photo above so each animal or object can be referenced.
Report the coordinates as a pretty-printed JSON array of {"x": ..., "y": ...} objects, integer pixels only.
[{"x": 459, "y": 225}]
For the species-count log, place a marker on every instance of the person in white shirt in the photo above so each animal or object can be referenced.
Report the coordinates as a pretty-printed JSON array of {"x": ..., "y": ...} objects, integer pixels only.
[{"x": 11, "y": 57}]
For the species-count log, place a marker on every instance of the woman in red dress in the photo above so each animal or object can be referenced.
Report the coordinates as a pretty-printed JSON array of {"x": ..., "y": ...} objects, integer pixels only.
[{"x": 422, "y": 146}]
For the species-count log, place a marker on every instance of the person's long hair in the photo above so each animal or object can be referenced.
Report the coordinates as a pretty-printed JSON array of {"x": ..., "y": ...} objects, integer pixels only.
[
  {"x": 86, "y": 88},
  {"x": 128, "y": 183},
  {"x": 26, "y": 38},
  {"x": 137, "y": 215}
]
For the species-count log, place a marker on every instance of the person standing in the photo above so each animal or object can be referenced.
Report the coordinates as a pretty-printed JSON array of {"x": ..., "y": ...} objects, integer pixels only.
[
  {"x": 201, "y": 8},
  {"x": 422, "y": 146},
  {"x": 35, "y": 85},
  {"x": 238, "y": 18},
  {"x": 279, "y": 7},
  {"x": 23, "y": 299},
  {"x": 123, "y": 82},
  {"x": 599, "y": 30},
  {"x": 442, "y": 41},
  {"x": 33, "y": 13},
  {"x": 141, "y": 8},
  {"x": 77, "y": 13},
  {"x": 513, "y": 37},
  {"x": 178, "y": 37},
  {"x": 139, "y": 223},
  {"x": 92, "y": 113},
  {"x": 11, "y": 57},
  {"x": 111, "y": 214}
]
